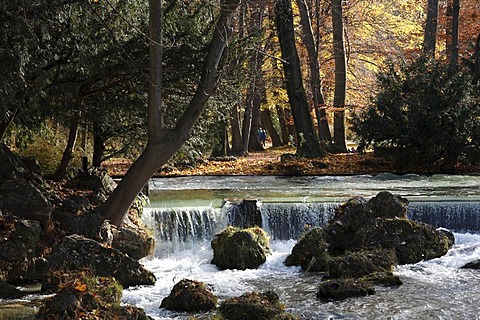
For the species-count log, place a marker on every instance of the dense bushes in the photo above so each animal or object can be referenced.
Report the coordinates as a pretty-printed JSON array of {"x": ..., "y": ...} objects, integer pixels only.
[{"x": 425, "y": 112}]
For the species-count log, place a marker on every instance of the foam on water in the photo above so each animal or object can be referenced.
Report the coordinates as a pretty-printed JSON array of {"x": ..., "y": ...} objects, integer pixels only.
[{"x": 434, "y": 289}]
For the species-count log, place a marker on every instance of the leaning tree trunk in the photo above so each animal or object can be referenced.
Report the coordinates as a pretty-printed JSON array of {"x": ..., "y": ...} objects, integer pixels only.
[
  {"x": 98, "y": 145},
  {"x": 315, "y": 81},
  {"x": 266, "y": 117},
  {"x": 164, "y": 142},
  {"x": 340, "y": 77},
  {"x": 430, "y": 35},
  {"x": 68, "y": 151},
  {"x": 308, "y": 145},
  {"x": 282, "y": 120}
]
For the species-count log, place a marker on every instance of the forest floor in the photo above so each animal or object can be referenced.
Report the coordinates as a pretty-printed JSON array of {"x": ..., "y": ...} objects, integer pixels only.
[{"x": 269, "y": 162}]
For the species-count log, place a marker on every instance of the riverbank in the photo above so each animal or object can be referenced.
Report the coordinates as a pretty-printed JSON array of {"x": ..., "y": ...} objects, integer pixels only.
[{"x": 270, "y": 162}]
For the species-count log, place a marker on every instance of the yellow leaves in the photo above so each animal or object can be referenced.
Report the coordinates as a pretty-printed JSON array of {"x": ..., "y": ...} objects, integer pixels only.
[{"x": 79, "y": 286}]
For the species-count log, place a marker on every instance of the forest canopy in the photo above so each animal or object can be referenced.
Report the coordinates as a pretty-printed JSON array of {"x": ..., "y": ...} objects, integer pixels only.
[{"x": 74, "y": 79}]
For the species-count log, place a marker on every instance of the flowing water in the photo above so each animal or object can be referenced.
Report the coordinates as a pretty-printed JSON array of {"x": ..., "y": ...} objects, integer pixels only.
[{"x": 187, "y": 212}]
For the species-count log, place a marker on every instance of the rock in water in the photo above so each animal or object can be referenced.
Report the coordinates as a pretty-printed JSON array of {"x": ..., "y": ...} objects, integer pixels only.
[
  {"x": 189, "y": 295},
  {"x": 241, "y": 249}
]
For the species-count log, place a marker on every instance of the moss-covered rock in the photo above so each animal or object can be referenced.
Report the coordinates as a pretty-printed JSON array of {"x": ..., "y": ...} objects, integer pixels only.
[
  {"x": 357, "y": 213},
  {"x": 189, "y": 295},
  {"x": 412, "y": 241},
  {"x": 255, "y": 306},
  {"x": 386, "y": 279},
  {"x": 356, "y": 264},
  {"x": 310, "y": 252},
  {"x": 241, "y": 249},
  {"x": 381, "y": 222},
  {"x": 340, "y": 289},
  {"x": 75, "y": 253},
  {"x": 82, "y": 296}
]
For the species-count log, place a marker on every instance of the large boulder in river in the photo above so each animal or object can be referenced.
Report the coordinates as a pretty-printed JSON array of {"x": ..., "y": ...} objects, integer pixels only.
[
  {"x": 189, "y": 295},
  {"x": 241, "y": 249},
  {"x": 358, "y": 213},
  {"x": 412, "y": 241},
  {"x": 76, "y": 253},
  {"x": 381, "y": 222},
  {"x": 310, "y": 252}
]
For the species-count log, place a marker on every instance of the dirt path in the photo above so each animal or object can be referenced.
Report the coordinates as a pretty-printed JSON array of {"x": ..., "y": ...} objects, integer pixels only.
[{"x": 269, "y": 163}]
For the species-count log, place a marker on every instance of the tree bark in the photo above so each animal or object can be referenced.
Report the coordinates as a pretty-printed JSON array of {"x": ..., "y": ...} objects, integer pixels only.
[
  {"x": 220, "y": 147},
  {"x": 453, "y": 14},
  {"x": 164, "y": 142},
  {"x": 340, "y": 77},
  {"x": 254, "y": 141},
  {"x": 68, "y": 152},
  {"x": 237, "y": 143},
  {"x": 477, "y": 60},
  {"x": 268, "y": 124},
  {"x": 98, "y": 145},
  {"x": 315, "y": 80},
  {"x": 247, "y": 120},
  {"x": 283, "y": 124},
  {"x": 308, "y": 145},
  {"x": 430, "y": 35}
]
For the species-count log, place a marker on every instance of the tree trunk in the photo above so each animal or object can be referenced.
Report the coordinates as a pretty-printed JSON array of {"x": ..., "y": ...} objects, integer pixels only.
[
  {"x": 98, "y": 145},
  {"x": 430, "y": 35},
  {"x": 220, "y": 147},
  {"x": 283, "y": 124},
  {"x": 254, "y": 141},
  {"x": 453, "y": 14},
  {"x": 340, "y": 77},
  {"x": 237, "y": 143},
  {"x": 268, "y": 124},
  {"x": 315, "y": 81},
  {"x": 163, "y": 142},
  {"x": 477, "y": 60},
  {"x": 68, "y": 152},
  {"x": 247, "y": 121},
  {"x": 309, "y": 145}
]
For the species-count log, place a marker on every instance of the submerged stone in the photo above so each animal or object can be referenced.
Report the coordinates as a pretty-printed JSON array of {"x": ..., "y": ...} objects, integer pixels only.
[
  {"x": 254, "y": 306},
  {"x": 340, "y": 289}
]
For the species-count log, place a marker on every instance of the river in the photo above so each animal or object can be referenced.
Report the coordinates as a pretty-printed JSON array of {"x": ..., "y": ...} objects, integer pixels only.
[{"x": 187, "y": 212}]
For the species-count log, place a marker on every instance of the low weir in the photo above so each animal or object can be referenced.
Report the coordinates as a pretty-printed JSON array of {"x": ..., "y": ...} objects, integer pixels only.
[{"x": 284, "y": 221}]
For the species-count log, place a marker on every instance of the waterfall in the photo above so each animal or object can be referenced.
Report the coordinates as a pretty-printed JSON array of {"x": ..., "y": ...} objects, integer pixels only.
[
  {"x": 179, "y": 227},
  {"x": 456, "y": 216},
  {"x": 283, "y": 221}
]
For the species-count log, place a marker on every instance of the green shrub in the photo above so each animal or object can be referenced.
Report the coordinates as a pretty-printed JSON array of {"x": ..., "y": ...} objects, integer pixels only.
[{"x": 425, "y": 112}]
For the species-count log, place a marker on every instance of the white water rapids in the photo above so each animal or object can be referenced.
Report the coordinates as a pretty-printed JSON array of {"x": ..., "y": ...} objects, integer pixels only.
[{"x": 434, "y": 289}]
